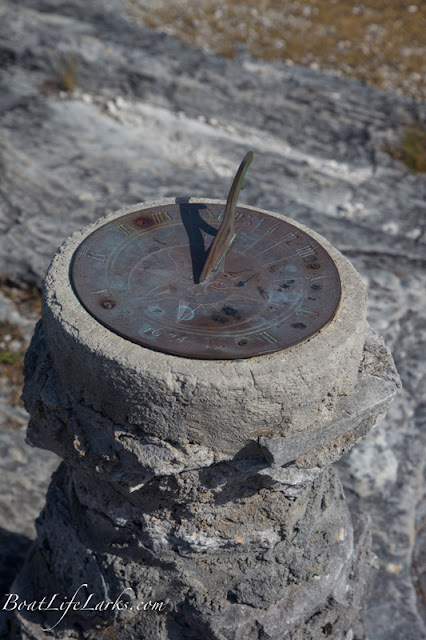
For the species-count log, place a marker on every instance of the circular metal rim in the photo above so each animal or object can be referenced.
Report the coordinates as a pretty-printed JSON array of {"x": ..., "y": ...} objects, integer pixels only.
[{"x": 202, "y": 355}]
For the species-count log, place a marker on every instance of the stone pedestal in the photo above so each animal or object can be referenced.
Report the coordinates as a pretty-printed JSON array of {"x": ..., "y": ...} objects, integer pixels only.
[{"x": 197, "y": 497}]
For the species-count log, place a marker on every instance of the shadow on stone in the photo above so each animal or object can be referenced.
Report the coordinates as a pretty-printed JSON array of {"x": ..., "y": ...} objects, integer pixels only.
[{"x": 13, "y": 549}]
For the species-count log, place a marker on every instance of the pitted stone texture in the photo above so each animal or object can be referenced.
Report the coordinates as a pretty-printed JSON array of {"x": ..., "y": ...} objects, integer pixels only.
[
  {"x": 128, "y": 456},
  {"x": 218, "y": 404},
  {"x": 236, "y": 591},
  {"x": 356, "y": 414}
]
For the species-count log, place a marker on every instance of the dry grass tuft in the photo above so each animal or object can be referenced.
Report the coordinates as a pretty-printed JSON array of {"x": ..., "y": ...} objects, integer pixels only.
[
  {"x": 68, "y": 73},
  {"x": 66, "y": 76},
  {"x": 26, "y": 296},
  {"x": 11, "y": 361},
  {"x": 28, "y": 300},
  {"x": 411, "y": 149},
  {"x": 380, "y": 42}
]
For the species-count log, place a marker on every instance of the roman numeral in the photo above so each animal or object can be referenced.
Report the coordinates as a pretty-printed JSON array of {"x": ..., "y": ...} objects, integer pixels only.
[
  {"x": 288, "y": 237},
  {"x": 160, "y": 217},
  {"x": 248, "y": 218},
  {"x": 208, "y": 213},
  {"x": 218, "y": 214},
  {"x": 97, "y": 256},
  {"x": 304, "y": 252},
  {"x": 265, "y": 337},
  {"x": 315, "y": 278},
  {"x": 125, "y": 228},
  {"x": 91, "y": 293},
  {"x": 306, "y": 313}
]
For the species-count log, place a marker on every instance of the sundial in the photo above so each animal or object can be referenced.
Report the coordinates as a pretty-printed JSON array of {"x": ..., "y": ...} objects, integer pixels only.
[{"x": 207, "y": 280}]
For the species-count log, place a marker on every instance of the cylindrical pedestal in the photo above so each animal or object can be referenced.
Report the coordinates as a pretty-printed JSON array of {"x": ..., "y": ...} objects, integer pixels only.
[{"x": 197, "y": 497}]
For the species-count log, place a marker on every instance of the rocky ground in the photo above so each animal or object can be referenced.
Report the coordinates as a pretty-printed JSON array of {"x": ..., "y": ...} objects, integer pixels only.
[
  {"x": 97, "y": 111},
  {"x": 380, "y": 42}
]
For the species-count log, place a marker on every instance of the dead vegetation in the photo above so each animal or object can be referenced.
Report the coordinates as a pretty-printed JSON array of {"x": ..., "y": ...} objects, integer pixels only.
[
  {"x": 65, "y": 77},
  {"x": 411, "y": 148},
  {"x": 380, "y": 42},
  {"x": 12, "y": 349},
  {"x": 13, "y": 343}
]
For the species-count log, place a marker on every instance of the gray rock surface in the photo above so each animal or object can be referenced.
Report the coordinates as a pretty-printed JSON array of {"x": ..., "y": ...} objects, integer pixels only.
[
  {"x": 229, "y": 583},
  {"x": 25, "y": 476},
  {"x": 153, "y": 118},
  {"x": 179, "y": 121}
]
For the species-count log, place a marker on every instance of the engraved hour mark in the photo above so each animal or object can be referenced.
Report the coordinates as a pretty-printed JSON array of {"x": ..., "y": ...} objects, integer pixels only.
[
  {"x": 125, "y": 228},
  {"x": 289, "y": 237},
  {"x": 160, "y": 217},
  {"x": 304, "y": 252},
  {"x": 91, "y": 293},
  {"x": 267, "y": 232},
  {"x": 247, "y": 219},
  {"x": 216, "y": 214},
  {"x": 314, "y": 281},
  {"x": 111, "y": 292},
  {"x": 307, "y": 313},
  {"x": 265, "y": 337},
  {"x": 250, "y": 234},
  {"x": 97, "y": 256},
  {"x": 314, "y": 278}
]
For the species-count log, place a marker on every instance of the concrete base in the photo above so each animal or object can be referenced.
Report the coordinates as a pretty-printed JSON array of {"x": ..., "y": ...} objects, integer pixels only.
[
  {"x": 214, "y": 404},
  {"x": 205, "y": 486},
  {"x": 228, "y": 554},
  {"x": 251, "y": 547}
]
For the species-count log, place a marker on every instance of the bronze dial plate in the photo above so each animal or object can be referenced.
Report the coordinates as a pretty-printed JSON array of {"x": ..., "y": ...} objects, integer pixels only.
[{"x": 139, "y": 275}]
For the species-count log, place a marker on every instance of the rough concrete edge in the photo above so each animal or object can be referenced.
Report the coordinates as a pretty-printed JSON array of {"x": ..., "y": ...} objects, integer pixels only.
[
  {"x": 353, "y": 295},
  {"x": 377, "y": 385},
  {"x": 291, "y": 385},
  {"x": 356, "y": 414}
]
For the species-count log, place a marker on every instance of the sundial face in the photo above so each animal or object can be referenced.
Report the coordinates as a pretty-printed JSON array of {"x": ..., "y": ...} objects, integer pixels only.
[{"x": 139, "y": 275}]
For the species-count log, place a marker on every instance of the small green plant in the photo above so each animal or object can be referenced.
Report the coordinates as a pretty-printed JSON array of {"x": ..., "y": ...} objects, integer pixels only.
[
  {"x": 11, "y": 362},
  {"x": 27, "y": 299},
  {"x": 411, "y": 150},
  {"x": 10, "y": 357}
]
